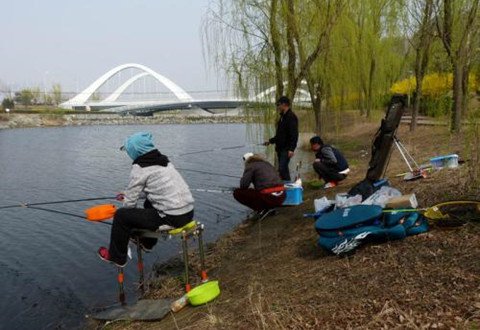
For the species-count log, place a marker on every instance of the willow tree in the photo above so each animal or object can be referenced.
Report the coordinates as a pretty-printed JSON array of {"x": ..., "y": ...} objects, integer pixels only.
[
  {"x": 242, "y": 39},
  {"x": 374, "y": 38},
  {"x": 458, "y": 25},
  {"x": 420, "y": 34},
  {"x": 272, "y": 42},
  {"x": 309, "y": 28},
  {"x": 338, "y": 48}
]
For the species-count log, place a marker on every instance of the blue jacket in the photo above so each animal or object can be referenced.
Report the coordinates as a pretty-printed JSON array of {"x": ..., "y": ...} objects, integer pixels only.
[{"x": 333, "y": 157}]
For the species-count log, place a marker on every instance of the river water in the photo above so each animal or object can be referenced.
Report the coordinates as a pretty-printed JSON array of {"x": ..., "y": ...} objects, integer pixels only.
[{"x": 50, "y": 276}]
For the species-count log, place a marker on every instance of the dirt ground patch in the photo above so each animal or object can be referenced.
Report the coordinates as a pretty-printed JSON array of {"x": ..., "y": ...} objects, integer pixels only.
[{"x": 273, "y": 275}]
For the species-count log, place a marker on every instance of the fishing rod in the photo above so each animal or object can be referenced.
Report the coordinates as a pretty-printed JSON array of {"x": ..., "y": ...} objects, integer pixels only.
[
  {"x": 209, "y": 173},
  {"x": 218, "y": 149},
  {"x": 56, "y": 202},
  {"x": 67, "y": 213},
  {"x": 217, "y": 191}
]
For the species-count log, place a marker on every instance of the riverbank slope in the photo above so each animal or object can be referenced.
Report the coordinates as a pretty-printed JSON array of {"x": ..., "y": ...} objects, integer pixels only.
[{"x": 273, "y": 275}]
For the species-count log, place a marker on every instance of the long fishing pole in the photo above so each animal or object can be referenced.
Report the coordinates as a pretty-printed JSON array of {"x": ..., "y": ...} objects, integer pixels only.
[
  {"x": 56, "y": 202},
  {"x": 65, "y": 213},
  {"x": 32, "y": 205},
  {"x": 215, "y": 191},
  {"x": 209, "y": 173},
  {"x": 217, "y": 149}
]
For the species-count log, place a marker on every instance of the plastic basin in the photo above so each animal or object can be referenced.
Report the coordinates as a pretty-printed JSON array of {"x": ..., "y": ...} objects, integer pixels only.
[{"x": 203, "y": 293}]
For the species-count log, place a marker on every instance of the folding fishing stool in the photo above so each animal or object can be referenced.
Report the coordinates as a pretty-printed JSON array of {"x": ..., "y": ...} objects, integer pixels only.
[{"x": 193, "y": 229}]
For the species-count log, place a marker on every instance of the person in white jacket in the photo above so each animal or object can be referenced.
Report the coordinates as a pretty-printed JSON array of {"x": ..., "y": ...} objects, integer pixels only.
[{"x": 168, "y": 199}]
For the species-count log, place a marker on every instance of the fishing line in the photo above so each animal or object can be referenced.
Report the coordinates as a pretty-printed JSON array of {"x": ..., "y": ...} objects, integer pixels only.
[
  {"x": 58, "y": 212},
  {"x": 217, "y": 149},
  {"x": 209, "y": 173},
  {"x": 65, "y": 213},
  {"x": 215, "y": 191},
  {"x": 55, "y": 202}
]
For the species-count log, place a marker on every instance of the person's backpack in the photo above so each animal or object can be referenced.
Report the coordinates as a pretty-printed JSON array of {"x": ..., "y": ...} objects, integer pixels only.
[{"x": 343, "y": 230}]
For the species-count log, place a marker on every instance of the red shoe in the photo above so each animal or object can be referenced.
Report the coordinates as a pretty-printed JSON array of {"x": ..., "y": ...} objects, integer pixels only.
[
  {"x": 331, "y": 184},
  {"x": 104, "y": 254}
]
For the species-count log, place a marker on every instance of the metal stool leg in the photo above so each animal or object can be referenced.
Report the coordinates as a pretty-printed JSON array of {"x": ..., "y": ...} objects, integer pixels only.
[
  {"x": 185, "y": 260},
  {"x": 140, "y": 266},
  {"x": 121, "y": 291},
  {"x": 203, "y": 272}
]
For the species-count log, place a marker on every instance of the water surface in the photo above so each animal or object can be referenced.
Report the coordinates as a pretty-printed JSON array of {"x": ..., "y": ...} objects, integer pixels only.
[{"x": 50, "y": 275}]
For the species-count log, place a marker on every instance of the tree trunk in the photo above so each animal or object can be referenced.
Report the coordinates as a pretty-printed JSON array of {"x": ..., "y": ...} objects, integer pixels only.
[
  {"x": 422, "y": 55},
  {"x": 317, "y": 109},
  {"x": 466, "y": 71},
  {"x": 418, "y": 88},
  {"x": 291, "y": 50},
  {"x": 277, "y": 51},
  {"x": 371, "y": 76},
  {"x": 416, "y": 104},
  {"x": 456, "y": 115}
]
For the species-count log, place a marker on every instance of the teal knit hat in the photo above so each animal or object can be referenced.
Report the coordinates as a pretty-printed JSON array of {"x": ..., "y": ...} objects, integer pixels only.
[{"x": 138, "y": 144}]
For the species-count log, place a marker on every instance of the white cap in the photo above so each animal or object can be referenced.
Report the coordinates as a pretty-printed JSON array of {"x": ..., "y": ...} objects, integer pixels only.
[{"x": 247, "y": 156}]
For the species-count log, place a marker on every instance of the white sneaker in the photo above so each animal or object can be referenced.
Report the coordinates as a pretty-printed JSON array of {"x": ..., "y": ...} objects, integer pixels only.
[{"x": 330, "y": 185}]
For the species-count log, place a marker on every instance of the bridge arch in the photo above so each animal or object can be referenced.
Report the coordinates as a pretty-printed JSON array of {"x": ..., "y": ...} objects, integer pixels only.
[
  {"x": 116, "y": 94},
  {"x": 270, "y": 91},
  {"x": 82, "y": 98}
]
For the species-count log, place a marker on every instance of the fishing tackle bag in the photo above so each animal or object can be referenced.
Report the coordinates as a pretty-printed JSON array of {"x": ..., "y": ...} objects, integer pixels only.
[{"x": 343, "y": 230}]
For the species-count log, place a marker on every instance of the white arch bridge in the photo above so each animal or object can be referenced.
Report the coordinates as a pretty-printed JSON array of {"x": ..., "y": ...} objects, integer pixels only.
[{"x": 179, "y": 100}]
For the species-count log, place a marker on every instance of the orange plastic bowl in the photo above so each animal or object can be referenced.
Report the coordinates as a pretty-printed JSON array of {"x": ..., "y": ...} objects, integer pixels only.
[{"x": 100, "y": 212}]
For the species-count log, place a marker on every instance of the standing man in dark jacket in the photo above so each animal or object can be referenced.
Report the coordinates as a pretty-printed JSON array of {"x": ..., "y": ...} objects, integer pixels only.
[
  {"x": 268, "y": 189},
  {"x": 329, "y": 163},
  {"x": 286, "y": 137}
]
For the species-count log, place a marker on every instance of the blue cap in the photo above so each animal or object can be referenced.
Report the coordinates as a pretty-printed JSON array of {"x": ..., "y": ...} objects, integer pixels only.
[{"x": 138, "y": 144}]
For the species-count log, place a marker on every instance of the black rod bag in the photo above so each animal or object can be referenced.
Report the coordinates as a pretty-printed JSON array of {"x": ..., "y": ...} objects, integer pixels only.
[{"x": 381, "y": 147}]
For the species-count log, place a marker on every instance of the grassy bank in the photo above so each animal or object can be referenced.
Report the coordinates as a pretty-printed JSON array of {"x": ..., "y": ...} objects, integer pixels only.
[{"x": 273, "y": 275}]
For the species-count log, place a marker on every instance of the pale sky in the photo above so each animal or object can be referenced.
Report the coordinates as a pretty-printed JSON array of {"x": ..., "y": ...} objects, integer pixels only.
[{"x": 73, "y": 42}]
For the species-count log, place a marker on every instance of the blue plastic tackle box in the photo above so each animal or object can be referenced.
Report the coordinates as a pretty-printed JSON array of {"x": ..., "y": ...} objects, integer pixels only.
[
  {"x": 294, "y": 195},
  {"x": 450, "y": 161}
]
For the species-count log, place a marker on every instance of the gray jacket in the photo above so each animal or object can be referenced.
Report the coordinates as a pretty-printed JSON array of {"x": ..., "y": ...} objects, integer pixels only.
[
  {"x": 164, "y": 188},
  {"x": 261, "y": 173}
]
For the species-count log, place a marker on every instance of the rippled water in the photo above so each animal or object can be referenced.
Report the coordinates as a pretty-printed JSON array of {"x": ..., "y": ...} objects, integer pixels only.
[{"x": 50, "y": 276}]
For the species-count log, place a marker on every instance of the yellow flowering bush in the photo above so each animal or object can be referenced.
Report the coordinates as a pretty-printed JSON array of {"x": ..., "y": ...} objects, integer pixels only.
[{"x": 434, "y": 84}]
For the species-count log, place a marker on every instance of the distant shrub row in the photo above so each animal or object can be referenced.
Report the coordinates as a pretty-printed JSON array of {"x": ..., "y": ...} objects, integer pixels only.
[{"x": 437, "y": 91}]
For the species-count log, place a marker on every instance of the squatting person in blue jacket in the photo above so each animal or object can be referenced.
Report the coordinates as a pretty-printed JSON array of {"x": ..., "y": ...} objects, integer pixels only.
[
  {"x": 169, "y": 201},
  {"x": 329, "y": 163}
]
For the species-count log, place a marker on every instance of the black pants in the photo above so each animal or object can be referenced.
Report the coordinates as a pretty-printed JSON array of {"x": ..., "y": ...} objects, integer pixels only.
[
  {"x": 127, "y": 219},
  {"x": 283, "y": 162},
  {"x": 258, "y": 201},
  {"x": 328, "y": 173}
]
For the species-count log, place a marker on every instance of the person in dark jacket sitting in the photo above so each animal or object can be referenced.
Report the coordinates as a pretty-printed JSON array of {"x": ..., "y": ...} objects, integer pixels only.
[
  {"x": 329, "y": 163},
  {"x": 286, "y": 137},
  {"x": 268, "y": 191},
  {"x": 168, "y": 204}
]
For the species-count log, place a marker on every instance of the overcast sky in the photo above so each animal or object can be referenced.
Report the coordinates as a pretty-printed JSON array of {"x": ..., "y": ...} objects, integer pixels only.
[{"x": 73, "y": 42}]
